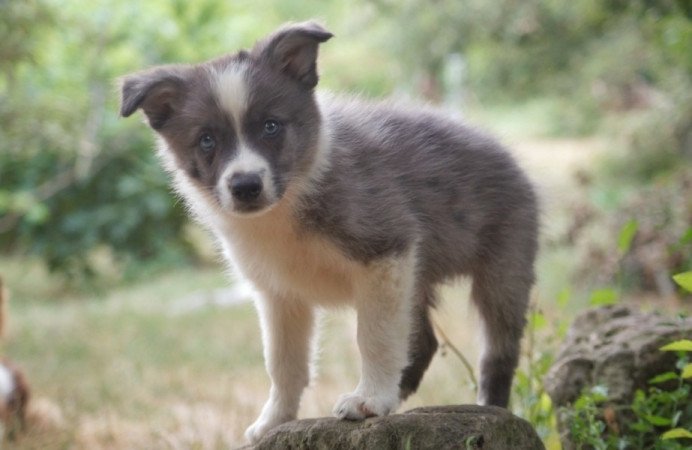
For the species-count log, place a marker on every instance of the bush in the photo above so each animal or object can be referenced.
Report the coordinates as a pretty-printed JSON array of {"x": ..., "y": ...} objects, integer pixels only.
[
  {"x": 77, "y": 181},
  {"x": 123, "y": 205},
  {"x": 658, "y": 418}
]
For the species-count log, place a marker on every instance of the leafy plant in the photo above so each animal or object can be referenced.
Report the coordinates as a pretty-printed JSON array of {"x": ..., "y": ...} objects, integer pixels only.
[
  {"x": 657, "y": 418},
  {"x": 531, "y": 401},
  {"x": 585, "y": 425}
]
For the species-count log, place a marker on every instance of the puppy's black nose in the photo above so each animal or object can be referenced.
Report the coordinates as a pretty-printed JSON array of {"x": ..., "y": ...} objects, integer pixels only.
[{"x": 245, "y": 186}]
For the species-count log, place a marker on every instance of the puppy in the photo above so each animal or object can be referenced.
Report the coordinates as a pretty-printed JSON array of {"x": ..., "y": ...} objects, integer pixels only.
[{"x": 322, "y": 201}]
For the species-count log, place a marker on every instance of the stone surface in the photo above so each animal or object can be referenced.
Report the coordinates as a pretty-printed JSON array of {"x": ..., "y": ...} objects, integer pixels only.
[
  {"x": 615, "y": 347},
  {"x": 438, "y": 428}
]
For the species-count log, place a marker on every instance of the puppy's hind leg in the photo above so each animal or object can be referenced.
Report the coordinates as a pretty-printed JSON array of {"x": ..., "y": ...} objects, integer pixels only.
[
  {"x": 287, "y": 328},
  {"x": 502, "y": 300}
]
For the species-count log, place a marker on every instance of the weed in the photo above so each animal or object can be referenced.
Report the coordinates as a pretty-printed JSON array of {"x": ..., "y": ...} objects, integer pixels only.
[
  {"x": 657, "y": 418},
  {"x": 531, "y": 401}
]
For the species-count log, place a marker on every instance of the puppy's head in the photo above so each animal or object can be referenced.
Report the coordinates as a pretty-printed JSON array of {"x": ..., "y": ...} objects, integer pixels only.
[{"x": 243, "y": 127}]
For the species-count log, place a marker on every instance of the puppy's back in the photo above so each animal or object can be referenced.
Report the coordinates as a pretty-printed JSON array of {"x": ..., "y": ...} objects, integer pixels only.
[{"x": 401, "y": 175}]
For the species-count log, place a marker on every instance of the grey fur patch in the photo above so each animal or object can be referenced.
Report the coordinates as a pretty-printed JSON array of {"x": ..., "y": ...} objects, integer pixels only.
[{"x": 401, "y": 177}]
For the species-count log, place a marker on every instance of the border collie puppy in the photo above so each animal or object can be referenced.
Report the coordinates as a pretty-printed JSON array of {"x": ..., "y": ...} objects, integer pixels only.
[{"x": 321, "y": 201}]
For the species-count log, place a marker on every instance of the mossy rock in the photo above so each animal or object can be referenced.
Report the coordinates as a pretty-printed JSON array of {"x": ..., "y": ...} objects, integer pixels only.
[{"x": 438, "y": 428}]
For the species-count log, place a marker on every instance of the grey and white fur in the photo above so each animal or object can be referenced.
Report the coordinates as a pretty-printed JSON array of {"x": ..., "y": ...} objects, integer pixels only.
[{"x": 320, "y": 201}]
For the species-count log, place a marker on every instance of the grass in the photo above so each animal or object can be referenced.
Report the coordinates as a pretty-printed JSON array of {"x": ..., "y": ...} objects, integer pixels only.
[{"x": 124, "y": 363}]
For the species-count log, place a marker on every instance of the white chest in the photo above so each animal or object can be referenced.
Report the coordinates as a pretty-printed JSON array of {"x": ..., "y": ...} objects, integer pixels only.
[{"x": 269, "y": 252}]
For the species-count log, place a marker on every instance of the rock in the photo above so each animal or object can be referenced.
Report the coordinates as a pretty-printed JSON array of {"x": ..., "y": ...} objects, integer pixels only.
[
  {"x": 438, "y": 428},
  {"x": 616, "y": 347}
]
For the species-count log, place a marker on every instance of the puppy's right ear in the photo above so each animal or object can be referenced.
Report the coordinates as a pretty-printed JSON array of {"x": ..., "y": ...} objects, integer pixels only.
[{"x": 159, "y": 92}]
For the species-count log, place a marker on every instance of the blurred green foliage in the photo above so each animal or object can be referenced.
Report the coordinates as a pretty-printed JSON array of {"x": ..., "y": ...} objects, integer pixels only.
[
  {"x": 657, "y": 418},
  {"x": 76, "y": 180}
]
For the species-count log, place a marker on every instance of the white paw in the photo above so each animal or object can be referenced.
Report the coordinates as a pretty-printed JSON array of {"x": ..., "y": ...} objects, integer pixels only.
[
  {"x": 358, "y": 407},
  {"x": 262, "y": 425}
]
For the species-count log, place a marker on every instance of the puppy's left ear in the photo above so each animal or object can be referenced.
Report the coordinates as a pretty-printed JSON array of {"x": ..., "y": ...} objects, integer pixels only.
[
  {"x": 158, "y": 92},
  {"x": 293, "y": 51}
]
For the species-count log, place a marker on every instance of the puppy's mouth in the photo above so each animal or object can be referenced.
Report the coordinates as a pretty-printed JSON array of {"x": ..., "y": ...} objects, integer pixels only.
[{"x": 250, "y": 209}]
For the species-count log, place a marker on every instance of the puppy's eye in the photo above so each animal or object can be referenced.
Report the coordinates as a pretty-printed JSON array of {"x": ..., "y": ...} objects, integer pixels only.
[
  {"x": 271, "y": 128},
  {"x": 207, "y": 143}
]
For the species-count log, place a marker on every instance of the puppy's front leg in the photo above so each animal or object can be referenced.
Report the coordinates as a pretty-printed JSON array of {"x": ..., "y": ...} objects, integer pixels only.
[
  {"x": 384, "y": 324},
  {"x": 287, "y": 327}
]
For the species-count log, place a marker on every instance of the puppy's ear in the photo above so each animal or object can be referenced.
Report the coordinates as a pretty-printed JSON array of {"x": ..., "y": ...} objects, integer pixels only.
[
  {"x": 293, "y": 50},
  {"x": 157, "y": 91}
]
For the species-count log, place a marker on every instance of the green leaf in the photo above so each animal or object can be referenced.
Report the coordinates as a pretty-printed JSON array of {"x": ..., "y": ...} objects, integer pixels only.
[
  {"x": 687, "y": 371},
  {"x": 677, "y": 433},
  {"x": 676, "y": 418},
  {"x": 563, "y": 297},
  {"x": 537, "y": 320},
  {"x": 37, "y": 214},
  {"x": 683, "y": 345},
  {"x": 687, "y": 237},
  {"x": 581, "y": 403},
  {"x": 662, "y": 378},
  {"x": 627, "y": 233},
  {"x": 684, "y": 279},
  {"x": 657, "y": 420},
  {"x": 545, "y": 403},
  {"x": 641, "y": 427},
  {"x": 603, "y": 297}
]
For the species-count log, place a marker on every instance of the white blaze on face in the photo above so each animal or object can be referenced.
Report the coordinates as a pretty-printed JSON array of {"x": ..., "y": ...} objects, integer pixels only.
[{"x": 232, "y": 92}]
